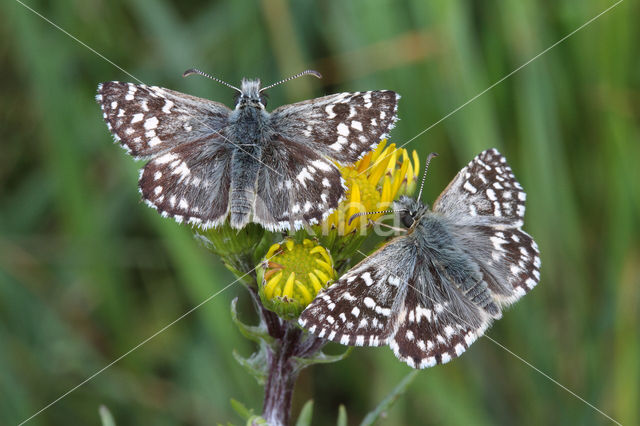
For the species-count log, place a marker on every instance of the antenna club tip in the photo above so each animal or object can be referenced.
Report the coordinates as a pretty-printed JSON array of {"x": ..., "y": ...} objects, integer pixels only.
[
  {"x": 315, "y": 73},
  {"x": 189, "y": 72}
]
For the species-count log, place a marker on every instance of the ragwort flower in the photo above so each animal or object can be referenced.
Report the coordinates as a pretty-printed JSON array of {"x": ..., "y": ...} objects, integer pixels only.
[
  {"x": 372, "y": 184},
  {"x": 292, "y": 274}
]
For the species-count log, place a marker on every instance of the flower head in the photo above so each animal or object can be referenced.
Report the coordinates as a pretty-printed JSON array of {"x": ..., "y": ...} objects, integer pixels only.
[
  {"x": 292, "y": 274},
  {"x": 372, "y": 184}
]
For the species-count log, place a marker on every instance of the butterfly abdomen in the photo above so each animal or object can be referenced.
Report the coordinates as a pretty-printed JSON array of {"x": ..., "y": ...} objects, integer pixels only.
[{"x": 244, "y": 176}]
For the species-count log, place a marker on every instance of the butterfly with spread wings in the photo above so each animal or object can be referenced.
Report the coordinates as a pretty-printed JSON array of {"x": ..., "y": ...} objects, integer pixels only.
[
  {"x": 429, "y": 294},
  {"x": 208, "y": 163}
]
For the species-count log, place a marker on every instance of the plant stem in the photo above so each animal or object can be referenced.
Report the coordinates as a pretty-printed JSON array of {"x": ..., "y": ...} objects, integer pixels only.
[
  {"x": 283, "y": 373},
  {"x": 284, "y": 368}
]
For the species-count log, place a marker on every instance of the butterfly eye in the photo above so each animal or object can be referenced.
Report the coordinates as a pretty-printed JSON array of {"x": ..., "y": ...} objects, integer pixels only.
[
  {"x": 263, "y": 99},
  {"x": 407, "y": 218}
]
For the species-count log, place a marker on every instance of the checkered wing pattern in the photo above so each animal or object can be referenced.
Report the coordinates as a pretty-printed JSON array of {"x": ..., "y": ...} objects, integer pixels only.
[
  {"x": 305, "y": 191},
  {"x": 435, "y": 323},
  {"x": 344, "y": 126},
  {"x": 431, "y": 293},
  {"x": 486, "y": 205},
  {"x": 189, "y": 183},
  {"x": 485, "y": 192},
  {"x": 150, "y": 120},
  {"x": 359, "y": 309}
]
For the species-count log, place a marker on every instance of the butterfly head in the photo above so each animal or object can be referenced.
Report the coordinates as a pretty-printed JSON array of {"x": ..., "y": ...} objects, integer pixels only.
[
  {"x": 409, "y": 209},
  {"x": 250, "y": 95}
]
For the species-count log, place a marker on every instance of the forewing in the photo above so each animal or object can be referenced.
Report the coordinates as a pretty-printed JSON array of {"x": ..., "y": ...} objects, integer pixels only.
[
  {"x": 359, "y": 309},
  {"x": 189, "y": 183},
  {"x": 299, "y": 186},
  {"x": 344, "y": 126},
  {"x": 485, "y": 192},
  {"x": 149, "y": 120},
  {"x": 486, "y": 205}
]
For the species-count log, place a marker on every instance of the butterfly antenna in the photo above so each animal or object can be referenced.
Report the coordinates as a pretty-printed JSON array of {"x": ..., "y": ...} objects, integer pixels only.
[
  {"x": 192, "y": 71},
  {"x": 305, "y": 72},
  {"x": 424, "y": 175},
  {"x": 368, "y": 213}
]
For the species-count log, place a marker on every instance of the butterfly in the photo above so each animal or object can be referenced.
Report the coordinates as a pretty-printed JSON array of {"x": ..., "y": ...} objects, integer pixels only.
[
  {"x": 208, "y": 163},
  {"x": 430, "y": 293}
]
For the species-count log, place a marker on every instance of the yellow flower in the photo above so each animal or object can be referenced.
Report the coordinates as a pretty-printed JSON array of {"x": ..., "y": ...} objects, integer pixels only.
[
  {"x": 292, "y": 274},
  {"x": 372, "y": 184}
]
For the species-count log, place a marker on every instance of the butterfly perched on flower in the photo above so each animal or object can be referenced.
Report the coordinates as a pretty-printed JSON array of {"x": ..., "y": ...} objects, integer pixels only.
[
  {"x": 208, "y": 163},
  {"x": 430, "y": 293}
]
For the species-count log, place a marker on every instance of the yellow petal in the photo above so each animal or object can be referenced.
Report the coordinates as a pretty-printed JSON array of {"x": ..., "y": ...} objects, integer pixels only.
[
  {"x": 391, "y": 162},
  {"x": 387, "y": 196},
  {"x": 363, "y": 164},
  {"x": 377, "y": 171},
  {"x": 324, "y": 278},
  {"x": 290, "y": 244},
  {"x": 287, "y": 291},
  {"x": 354, "y": 207},
  {"x": 323, "y": 252},
  {"x": 325, "y": 265},
  {"x": 379, "y": 149},
  {"x": 271, "y": 286},
  {"x": 306, "y": 295},
  {"x": 315, "y": 282},
  {"x": 272, "y": 250},
  {"x": 399, "y": 178},
  {"x": 416, "y": 160}
]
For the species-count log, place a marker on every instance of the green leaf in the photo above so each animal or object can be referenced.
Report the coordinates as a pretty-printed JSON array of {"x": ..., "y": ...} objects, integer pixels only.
[
  {"x": 241, "y": 409},
  {"x": 322, "y": 358},
  {"x": 256, "y": 364},
  {"x": 105, "y": 416},
  {"x": 256, "y": 333},
  {"x": 306, "y": 414},
  {"x": 342, "y": 416},
  {"x": 390, "y": 399},
  {"x": 256, "y": 421}
]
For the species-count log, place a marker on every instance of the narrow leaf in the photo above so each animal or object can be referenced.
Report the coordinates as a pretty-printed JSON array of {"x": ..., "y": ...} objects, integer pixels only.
[
  {"x": 390, "y": 399},
  {"x": 256, "y": 333},
  {"x": 105, "y": 416},
  {"x": 342, "y": 416},
  {"x": 306, "y": 414}
]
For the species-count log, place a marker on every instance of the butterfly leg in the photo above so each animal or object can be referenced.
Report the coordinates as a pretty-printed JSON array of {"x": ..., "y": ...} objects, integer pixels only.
[{"x": 394, "y": 228}]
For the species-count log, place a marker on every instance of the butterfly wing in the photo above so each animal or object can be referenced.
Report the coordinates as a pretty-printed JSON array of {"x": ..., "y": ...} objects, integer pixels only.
[
  {"x": 189, "y": 183},
  {"x": 187, "y": 177},
  {"x": 343, "y": 126},
  {"x": 401, "y": 298},
  {"x": 484, "y": 192},
  {"x": 485, "y": 204},
  {"x": 435, "y": 322},
  {"x": 300, "y": 186},
  {"x": 150, "y": 120},
  {"x": 359, "y": 308}
]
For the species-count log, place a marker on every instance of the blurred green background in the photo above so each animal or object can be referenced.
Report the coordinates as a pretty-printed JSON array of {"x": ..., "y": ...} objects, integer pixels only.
[{"x": 87, "y": 271}]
